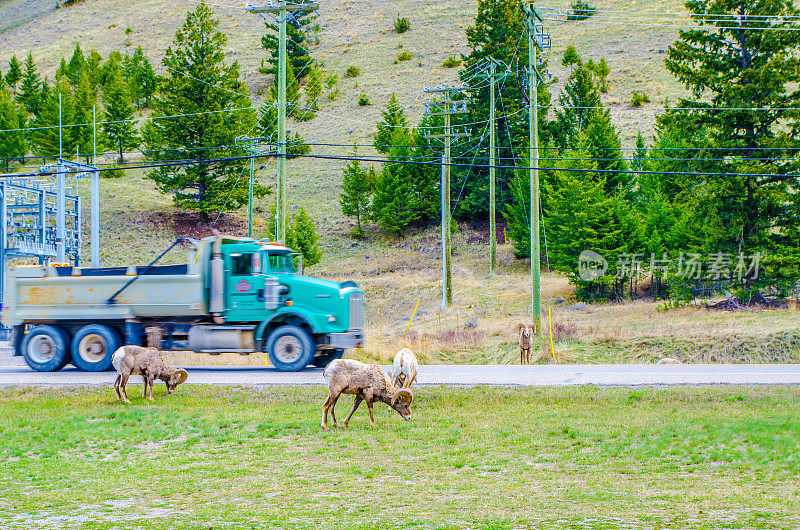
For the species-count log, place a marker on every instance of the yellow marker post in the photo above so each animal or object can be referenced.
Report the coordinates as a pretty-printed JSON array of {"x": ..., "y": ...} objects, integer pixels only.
[
  {"x": 412, "y": 318},
  {"x": 550, "y": 319}
]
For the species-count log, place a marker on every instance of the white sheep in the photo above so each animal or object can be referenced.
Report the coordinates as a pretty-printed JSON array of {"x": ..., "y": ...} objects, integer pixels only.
[{"x": 404, "y": 368}]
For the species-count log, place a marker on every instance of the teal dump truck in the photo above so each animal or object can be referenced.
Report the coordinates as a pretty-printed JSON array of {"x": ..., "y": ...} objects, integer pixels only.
[{"x": 233, "y": 295}]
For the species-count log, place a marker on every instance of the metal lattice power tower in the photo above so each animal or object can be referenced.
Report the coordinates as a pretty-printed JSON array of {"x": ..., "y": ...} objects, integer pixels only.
[{"x": 42, "y": 217}]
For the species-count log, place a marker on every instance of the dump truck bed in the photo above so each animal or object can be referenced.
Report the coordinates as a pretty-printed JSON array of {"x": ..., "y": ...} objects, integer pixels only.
[{"x": 41, "y": 294}]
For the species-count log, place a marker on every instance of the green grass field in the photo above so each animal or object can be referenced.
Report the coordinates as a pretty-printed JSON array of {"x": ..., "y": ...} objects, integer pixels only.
[{"x": 480, "y": 458}]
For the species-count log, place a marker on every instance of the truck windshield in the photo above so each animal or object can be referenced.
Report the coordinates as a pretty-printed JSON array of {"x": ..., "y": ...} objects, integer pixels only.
[{"x": 281, "y": 263}]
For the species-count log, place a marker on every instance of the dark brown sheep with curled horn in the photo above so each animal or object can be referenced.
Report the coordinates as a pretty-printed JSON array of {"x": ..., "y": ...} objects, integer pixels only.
[
  {"x": 147, "y": 362},
  {"x": 368, "y": 382}
]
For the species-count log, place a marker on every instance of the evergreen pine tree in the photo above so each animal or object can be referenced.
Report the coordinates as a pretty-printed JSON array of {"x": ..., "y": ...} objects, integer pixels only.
[
  {"x": 211, "y": 86},
  {"x": 61, "y": 72},
  {"x": 392, "y": 118},
  {"x": 582, "y": 216},
  {"x": 94, "y": 64},
  {"x": 85, "y": 101},
  {"x": 405, "y": 194},
  {"x": 31, "y": 86},
  {"x": 76, "y": 66},
  {"x": 111, "y": 67},
  {"x": 301, "y": 236},
  {"x": 297, "y": 45},
  {"x": 604, "y": 146},
  {"x": 12, "y": 140},
  {"x": 578, "y": 101},
  {"x": 313, "y": 88},
  {"x": 639, "y": 154},
  {"x": 144, "y": 79},
  {"x": 14, "y": 73},
  {"x": 358, "y": 185},
  {"x": 45, "y": 136},
  {"x": 117, "y": 127},
  {"x": 728, "y": 65}
]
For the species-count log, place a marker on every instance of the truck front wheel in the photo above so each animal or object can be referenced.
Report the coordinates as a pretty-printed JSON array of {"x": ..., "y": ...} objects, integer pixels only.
[
  {"x": 93, "y": 346},
  {"x": 45, "y": 348},
  {"x": 290, "y": 348}
]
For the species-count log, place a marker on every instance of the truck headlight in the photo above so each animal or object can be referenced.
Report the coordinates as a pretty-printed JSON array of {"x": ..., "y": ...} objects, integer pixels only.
[{"x": 331, "y": 318}]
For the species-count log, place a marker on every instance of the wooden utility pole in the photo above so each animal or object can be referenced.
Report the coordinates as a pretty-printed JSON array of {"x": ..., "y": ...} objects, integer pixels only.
[
  {"x": 490, "y": 72},
  {"x": 255, "y": 147},
  {"x": 446, "y": 107},
  {"x": 537, "y": 39},
  {"x": 283, "y": 10}
]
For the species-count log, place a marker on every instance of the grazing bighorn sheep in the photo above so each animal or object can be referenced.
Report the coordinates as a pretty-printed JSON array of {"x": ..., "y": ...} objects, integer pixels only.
[
  {"x": 669, "y": 360},
  {"x": 147, "y": 362},
  {"x": 368, "y": 382},
  {"x": 524, "y": 344},
  {"x": 404, "y": 368}
]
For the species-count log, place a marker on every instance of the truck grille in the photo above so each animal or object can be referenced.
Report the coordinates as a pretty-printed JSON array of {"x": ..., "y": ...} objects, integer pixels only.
[{"x": 356, "y": 311}]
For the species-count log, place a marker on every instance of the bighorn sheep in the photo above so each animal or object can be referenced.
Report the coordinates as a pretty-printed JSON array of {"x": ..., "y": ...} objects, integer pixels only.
[
  {"x": 404, "y": 368},
  {"x": 524, "y": 344},
  {"x": 147, "y": 362},
  {"x": 368, "y": 382},
  {"x": 669, "y": 360}
]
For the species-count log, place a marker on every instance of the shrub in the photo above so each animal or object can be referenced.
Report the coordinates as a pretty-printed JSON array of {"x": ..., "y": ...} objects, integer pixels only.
[
  {"x": 115, "y": 173},
  {"x": 331, "y": 81},
  {"x": 451, "y": 62},
  {"x": 332, "y": 95},
  {"x": 401, "y": 25},
  {"x": 301, "y": 236},
  {"x": 638, "y": 98},
  {"x": 352, "y": 71},
  {"x": 363, "y": 100},
  {"x": 581, "y": 10},
  {"x": 304, "y": 115},
  {"x": 405, "y": 56}
]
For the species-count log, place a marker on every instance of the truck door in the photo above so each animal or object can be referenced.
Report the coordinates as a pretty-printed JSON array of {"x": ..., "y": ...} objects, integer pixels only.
[{"x": 245, "y": 293}]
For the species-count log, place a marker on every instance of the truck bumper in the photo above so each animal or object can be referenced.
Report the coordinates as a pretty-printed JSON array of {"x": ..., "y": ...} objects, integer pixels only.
[{"x": 351, "y": 339}]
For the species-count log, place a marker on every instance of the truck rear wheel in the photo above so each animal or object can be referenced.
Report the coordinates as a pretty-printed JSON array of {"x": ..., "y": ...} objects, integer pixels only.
[
  {"x": 290, "y": 348},
  {"x": 93, "y": 346},
  {"x": 45, "y": 348}
]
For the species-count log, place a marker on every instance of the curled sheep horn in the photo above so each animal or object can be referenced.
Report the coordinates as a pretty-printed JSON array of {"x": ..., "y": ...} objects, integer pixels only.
[
  {"x": 182, "y": 375},
  {"x": 403, "y": 392}
]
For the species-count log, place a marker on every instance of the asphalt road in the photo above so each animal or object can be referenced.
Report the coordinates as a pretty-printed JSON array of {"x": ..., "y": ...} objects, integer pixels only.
[{"x": 458, "y": 375}]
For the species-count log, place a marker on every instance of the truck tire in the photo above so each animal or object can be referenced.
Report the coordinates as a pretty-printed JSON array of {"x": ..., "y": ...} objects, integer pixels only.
[
  {"x": 45, "y": 348},
  {"x": 93, "y": 346},
  {"x": 290, "y": 348},
  {"x": 326, "y": 358}
]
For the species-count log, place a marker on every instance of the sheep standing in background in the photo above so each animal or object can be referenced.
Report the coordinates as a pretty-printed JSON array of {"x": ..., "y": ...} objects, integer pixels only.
[
  {"x": 524, "y": 344},
  {"x": 368, "y": 382},
  {"x": 669, "y": 360},
  {"x": 147, "y": 362},
  {"x": 404, "y": 368}
]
